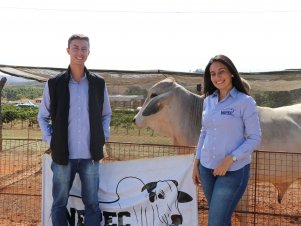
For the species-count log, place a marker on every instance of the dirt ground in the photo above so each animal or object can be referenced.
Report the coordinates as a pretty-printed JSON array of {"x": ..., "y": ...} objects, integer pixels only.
[
  {"x": 20, "y": 199},
  {"x": 279, "y": 85}
]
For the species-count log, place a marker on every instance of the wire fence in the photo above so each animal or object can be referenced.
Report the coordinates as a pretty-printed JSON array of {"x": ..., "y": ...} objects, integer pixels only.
[
  {"x": 273, "y": 196},
  {"x": 118, "y": 133}
]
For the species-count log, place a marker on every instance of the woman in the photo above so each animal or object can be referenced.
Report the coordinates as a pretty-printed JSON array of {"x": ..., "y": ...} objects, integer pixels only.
[{"x": 230, "y": 132}]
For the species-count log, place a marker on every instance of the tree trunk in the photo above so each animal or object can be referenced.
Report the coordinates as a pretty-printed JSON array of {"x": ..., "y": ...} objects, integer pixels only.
[{"x": 2, "y": 83}]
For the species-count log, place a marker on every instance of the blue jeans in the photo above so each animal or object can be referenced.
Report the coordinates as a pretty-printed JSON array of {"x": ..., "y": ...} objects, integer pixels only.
[
  {"x": 223, "y": 193},
  {"x": 63, "y": 176}
]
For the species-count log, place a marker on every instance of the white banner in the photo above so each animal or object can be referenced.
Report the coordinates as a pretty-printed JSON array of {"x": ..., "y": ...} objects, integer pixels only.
[{"x": 146, "y": 192}]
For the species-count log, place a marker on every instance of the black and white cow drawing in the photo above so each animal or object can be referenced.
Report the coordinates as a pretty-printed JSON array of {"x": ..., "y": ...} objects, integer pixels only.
[
  {"x": 156, "y": 203},
  {"x": 164, "y": 198}
]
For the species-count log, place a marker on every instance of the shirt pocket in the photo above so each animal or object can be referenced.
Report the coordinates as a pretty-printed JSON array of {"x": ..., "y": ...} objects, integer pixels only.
[
  {"x": 230, "y": 118},
  {"x": 230, "y": 113}
]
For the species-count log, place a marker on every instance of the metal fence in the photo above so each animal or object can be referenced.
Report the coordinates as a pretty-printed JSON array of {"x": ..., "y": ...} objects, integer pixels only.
[
  {"x": 117, "y": 133},
  {"x": 275, "y": 177}
]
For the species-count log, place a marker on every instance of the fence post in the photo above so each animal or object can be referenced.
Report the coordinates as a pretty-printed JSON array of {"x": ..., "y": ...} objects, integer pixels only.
[{"x": 2, "y": 83}]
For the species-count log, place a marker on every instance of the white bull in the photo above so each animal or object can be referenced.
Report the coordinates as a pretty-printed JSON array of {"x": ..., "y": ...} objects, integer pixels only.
[{"x": 175, "y": 112}]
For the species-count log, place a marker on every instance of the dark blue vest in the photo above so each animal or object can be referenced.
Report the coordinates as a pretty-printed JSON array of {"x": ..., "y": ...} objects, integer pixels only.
[{"x": 59, "y": 113}]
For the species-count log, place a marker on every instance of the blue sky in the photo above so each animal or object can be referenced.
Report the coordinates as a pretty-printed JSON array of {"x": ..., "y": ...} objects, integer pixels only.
[{"x": 178, "y": 35}]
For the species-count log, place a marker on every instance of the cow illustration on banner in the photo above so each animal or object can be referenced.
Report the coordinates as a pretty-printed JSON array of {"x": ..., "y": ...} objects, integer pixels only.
[{"x": 151, "y": 192}]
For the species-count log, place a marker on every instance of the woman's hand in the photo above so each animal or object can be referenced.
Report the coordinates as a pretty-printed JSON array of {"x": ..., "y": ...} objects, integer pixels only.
[
  {"x": 223, "y": 167},
  {"x": 196, "y": 174}
]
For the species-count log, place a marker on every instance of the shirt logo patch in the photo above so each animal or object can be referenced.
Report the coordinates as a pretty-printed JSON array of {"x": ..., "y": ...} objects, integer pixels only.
[{"x": 227, "y": 111}]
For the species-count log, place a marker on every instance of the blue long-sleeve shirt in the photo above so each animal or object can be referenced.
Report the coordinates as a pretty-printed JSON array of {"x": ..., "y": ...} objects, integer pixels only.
[
  {"x": 229, "y": 127},
  {"x": 78, "y": 120}
]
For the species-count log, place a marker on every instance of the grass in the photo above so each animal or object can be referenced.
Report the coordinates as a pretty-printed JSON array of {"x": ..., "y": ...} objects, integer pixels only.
[{"x": 141, "y": 136}]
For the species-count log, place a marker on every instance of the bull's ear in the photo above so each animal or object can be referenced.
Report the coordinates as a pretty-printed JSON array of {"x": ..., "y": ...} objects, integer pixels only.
[
  {"x": 175, "y": 182},
  {"x": 149, "y": 186},
  {"x": 184, "y": 197},
  {"x": 155, "y": 104}
]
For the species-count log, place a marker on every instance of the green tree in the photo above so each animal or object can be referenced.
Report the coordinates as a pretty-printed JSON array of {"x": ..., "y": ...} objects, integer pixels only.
[
  {"x": 199, "y": 70},
  {"x": 9, "y": 114},
  {"x": 123, "y": 119},
  {"x": 17, "y": 93},
  {"x": 136, "y": 90}
]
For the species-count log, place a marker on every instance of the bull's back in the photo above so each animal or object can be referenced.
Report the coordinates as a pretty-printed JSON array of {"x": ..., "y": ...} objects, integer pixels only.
[{"x": 281, "y": 128}]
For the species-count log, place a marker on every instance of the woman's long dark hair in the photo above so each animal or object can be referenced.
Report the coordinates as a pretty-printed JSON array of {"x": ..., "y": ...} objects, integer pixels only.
[{"x": 209, "y": 88}]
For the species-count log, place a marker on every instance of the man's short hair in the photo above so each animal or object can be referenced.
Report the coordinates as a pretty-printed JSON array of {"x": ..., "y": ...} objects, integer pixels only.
[{"x": 78, "y": 36}]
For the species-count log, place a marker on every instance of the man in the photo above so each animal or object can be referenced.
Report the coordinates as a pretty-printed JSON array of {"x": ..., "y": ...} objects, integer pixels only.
[{"x": 77, "y": 104}]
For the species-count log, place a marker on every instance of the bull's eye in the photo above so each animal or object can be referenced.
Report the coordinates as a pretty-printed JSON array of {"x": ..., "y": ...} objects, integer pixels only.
[
  {"x": 153, "y": 95},
  {"x": 152, "y": 196},
  {"x": 161, "y": 195}
]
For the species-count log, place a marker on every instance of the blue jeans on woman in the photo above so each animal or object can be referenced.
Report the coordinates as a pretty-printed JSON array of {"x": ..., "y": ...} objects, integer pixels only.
[
  {"x": 63, "y": 177},
  {"x": 223, "y": 193}
]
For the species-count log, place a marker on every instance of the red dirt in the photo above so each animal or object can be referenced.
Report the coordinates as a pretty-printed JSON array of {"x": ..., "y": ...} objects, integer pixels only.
[{"x": 20, "y": 201}]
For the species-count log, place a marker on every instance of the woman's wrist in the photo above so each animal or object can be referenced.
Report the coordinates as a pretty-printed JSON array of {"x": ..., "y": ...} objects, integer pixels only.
[{"x": 196, "y": 162}]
